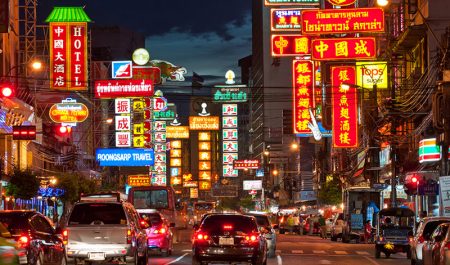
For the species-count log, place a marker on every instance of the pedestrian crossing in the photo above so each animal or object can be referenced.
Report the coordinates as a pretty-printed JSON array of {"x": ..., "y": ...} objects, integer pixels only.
[{"x": 324, "y": 252}]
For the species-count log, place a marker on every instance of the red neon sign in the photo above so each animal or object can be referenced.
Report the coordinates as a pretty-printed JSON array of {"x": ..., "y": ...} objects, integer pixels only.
[
  {"x": 326, "y": 21},
  {"x": 58, "y": 55},
  {"x": 302, "y": 83},
  {"x": 78, "y": 56},
  {"x": 345, "y": 101},
  {"x": 341, "y": 2},
  {"x": 286, "y": 19},
  {"x": 123, "y": 88},
  {"x": 290, "y": 45},
  {"x": 246, "y": 164},
  {"x": 343, "y": 48}
]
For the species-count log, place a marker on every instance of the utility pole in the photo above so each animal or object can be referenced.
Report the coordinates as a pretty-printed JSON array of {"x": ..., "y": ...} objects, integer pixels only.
[{"x": 393, "y": 150}]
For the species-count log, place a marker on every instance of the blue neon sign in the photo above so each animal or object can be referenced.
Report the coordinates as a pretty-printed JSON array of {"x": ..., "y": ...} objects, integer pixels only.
[{"x": 126, "y": 157}]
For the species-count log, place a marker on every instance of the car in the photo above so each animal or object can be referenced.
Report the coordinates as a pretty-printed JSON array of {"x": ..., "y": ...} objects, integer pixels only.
[
  {"x": 11, "y": 252},
  {"x": 265, "y": 226},
  {"x": 104, "y": 227},
  {"x": 229, "y": 238},
  {"x": 38, "y": 242},
  {"x": 159, "y": 232},
  {"x": 431, "y": 250},
  {"x": 443, "y": 254},
  {"x": 422, "y": 236}
]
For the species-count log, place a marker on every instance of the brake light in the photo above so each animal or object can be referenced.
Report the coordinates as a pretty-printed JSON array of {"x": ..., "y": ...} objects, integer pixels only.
[
  {"x": 251, "y": 238},
  {"x": 23, "y": 241},
  {"x": 421, "y": 239},
  {"x": 202, "y": 236},
  {"x": 129, "y": 236},
  {"x": 160, "y": 231},
  {"x": 65, "y": 235},
  {"x": 227, "y": 227}
]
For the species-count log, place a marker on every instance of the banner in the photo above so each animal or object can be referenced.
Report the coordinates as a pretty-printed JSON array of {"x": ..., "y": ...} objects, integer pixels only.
[
  {"x": 444, "y": 184},
  {"x": 303, "y": 81},
  {"x": 286, "y": 19},
  {"x": 363, "y": 48},
  {"x": 290, "y": 45},
  {"x": 123, "y": 88}
]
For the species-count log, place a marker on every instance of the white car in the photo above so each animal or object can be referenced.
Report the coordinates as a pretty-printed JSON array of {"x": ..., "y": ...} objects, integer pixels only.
[{"x": 424, "y": 231}]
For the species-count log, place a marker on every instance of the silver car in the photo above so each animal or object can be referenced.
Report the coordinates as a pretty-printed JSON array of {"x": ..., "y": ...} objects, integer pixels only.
[{"x": 265, "y": 226}]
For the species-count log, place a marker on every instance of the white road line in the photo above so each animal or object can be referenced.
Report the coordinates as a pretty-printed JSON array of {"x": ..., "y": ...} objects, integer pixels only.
[
  {"x": 186, "y": 250},
  {"x": 362, "y": 253},
  {"x": 178, "y": 259},
  {"x": 340, "y": 252},
  {"x": 371, "y": 260},
  {"x": 297, "y": 251},
  {"x": 318, "y": 251},
  {"x": 279, "y": 260},
  {"x": 324, "y": 261}
]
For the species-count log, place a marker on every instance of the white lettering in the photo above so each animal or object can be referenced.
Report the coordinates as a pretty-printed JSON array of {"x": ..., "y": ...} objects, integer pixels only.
[
  {"x": 77, "y": 56},
  {"x": 78, "y": 69},
  {"x": 77, "y": 31},
  {"x": 77, "y": 44}
]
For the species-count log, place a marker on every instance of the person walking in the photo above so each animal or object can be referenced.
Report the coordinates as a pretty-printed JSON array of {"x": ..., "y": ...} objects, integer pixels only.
[
  {"x": 311, "y": 224},
  {"x": 323, "y": 227},
  {"x": 290, "y": 223},
  {"x": 367, "y": 232},
  {"x": 296, "y": 223}
]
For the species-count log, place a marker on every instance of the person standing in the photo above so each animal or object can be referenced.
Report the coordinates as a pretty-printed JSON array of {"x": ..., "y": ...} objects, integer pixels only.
[
  {"x": 311, "y": 224},
  {"x": 296, "y": 224},
  {"x": 367, "y": 231},
  {"x": 290, "y": 223},
  {"x": 323, "y": 227}
]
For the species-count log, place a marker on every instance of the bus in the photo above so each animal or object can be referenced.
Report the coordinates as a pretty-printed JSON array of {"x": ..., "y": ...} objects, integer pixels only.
[
  {"x": 202, "y": 207},
  {"x": 160, "y": 198}
]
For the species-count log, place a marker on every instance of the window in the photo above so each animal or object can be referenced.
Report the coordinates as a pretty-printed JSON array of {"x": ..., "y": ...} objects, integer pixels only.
[
  {"x": 153, "y": 219},
  {"x": 262, "y": 221},
  {"x": 98, "y": 213},
  {"x": 150, "y": 199},
  {"x": 41, "y": 225},
  {"x": 215, "y": 224},
  {"x": 16, "y": 223}
]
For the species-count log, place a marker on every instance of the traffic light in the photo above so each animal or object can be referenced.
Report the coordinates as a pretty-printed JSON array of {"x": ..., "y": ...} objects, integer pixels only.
[
  {"x": 24, "y": 132},
  {"x": 63, "y": 130},
  {"x": 411, "y": 184},
  {"x": 6, "y": 91}
]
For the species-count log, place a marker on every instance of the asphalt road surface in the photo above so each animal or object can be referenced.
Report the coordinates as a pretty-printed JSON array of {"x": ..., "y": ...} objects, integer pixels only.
[{"x": 294, "y": 250}]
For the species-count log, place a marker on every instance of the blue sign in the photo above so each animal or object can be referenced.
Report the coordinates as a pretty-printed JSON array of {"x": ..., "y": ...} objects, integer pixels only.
[
  {"x": 260, "y": 172},
  {"x": 174, "y": 172},
  {"x": 125, "y": 157},
  {"x": 50, "y": 192},
  {"x": 121, "y": 69}
]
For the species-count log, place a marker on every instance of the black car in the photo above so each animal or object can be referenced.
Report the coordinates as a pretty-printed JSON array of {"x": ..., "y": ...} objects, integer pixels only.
[
  {"x": 36, "y": 235},
  {"x": 229, "y": 237}
]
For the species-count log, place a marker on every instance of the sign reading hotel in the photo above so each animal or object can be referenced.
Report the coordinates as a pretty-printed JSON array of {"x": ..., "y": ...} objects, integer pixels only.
[
  {"x": 303, "y": 81},
  {"x": 291, "y": 2},
  {"x": 286, "y": 19},
  {"x": 177, "y": 132},
  {"x": 207, "y": 123},
  {"x": 138, "y": 180},
  {"x": 123, "y": 88},
  {"x": 345, "y": 107},
  {"x": 363, "y": 48},
  {"x": 246, "y": 164},
  {"x": 347, "y": 20},
  {"x": 290, "y": 45},
  {"x": 369, "y": 74},
  {"x": 69, "y": 111}
]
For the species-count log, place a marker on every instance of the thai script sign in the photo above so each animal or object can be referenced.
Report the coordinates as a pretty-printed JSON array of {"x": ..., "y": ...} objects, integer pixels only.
[
  {"x": 290, "y": 45},
  {"x": 138, "y": 180},
  {"x": 209, "y": 123},
  {"x": 68, "y": 56},
  {"x": 303, "y": 81},
  {"x": 246, "y": 164},
  {"x": 167, "y": 115},
  {"x": 348, "y": 20},
  {"x": 343, "y": 48},
  {"x": 236, "y": 93},
  {"x": 69, "y": 111},
  {"x": 292, "y": 2},
  {"x": 286, "y": 19},
  {"x": 148, "y": 73},
  {"x": 177, "y": 132},
  {"x": 123, "y": 88},
  {"x": 345, "y": 108},
  {"x": 130, "y": 157},
  {"x": 369, "y": 74}
]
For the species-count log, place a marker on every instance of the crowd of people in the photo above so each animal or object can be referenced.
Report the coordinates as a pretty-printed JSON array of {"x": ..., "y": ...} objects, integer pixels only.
[{"x": 302, "y": 224}]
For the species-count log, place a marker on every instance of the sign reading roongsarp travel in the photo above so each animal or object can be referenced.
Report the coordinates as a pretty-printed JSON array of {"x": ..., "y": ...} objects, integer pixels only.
[{"x": 128, "y": 157}]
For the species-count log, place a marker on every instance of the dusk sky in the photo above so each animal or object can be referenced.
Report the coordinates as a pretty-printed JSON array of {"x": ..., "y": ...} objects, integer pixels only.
[{"x": 208, "y": 37}]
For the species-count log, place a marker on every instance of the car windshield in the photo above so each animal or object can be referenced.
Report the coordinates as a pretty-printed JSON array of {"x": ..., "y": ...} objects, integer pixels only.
[
  {"x": 153, "y": 219},
  {"x": 215, "y": 224},
  {"x": 150, "y": 199},
  {"x": 206, "y": 206},
  {"x": 98, "y": 213},
  {"x": 431, "y": 226},
  {"x": 262, "y": 220},
  {"x": 15, "y": 222}
]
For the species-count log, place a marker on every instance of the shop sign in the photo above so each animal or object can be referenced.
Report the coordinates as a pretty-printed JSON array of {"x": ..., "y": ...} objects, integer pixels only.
[
  {"x": 160, "y": 168},
  {"x": 204, "y": 146},
  {"x": 230, "y": 146},
  {"x": 204, "y": 175},
  {"x": 138, "y": 105},
  {"x": 138, "y": 180},
  {"x": 369, "y": 74},
  {"x": 49, "y": 191},
  {"x": 228, "y": 158},
  {"x": 229, "y": 109},
  {"x": 429, "y": 151},
  {"x": 177, "y": 132},
  {"x": 246, "y": 164},
  {"x": 175, "y": 153},
  {"x": 193, "y": 193},
  {"x": 159, "y": 104},
  {"x": 341, "y": 2},
  {"x": 123, "y": 139},
  {"x": 175, "y": 144},
  {"x": 123, "y": 88},
  {"x": 231, "y": 93},
  {"x": 345, "y": 107},
  {"x": 229, "y": 171},
  {"x": 290, "y": 45},
  {"x": 160, "y": 157},
  {"x": 160, "y": 147},
  {"x": 204, "y": 136},
  {"x": 122, "y": 105},
  {"x": 147, "y": 72},
  {"x": 175, "y": 162},
  {"x": 286, "y": 19},
  {"x": 208, "y": 123},
  {"x": 175, "y": 181},
  {"x": 363, "y": 48},
  {"x": 159, "y": 126},
  {"x": 190, "y": 184},
  {"x": 204, "y": 156},
  {"x": 159, "y": 137},
  {"x": 342, "y": 20},
  {"x": 291, "y": 2},
  {"x": 252, "y": 185},
  {"x": 138, "y": 128},
  {"x": 159, "y": 180},
  {"x": 121, "y": 69},
  {"x": 123, "y": 123},
  {"x": 68, "y": 111},
  {"x": 444, "y": 184},
  {"x": 204, "y": 165},
  {"x": 68, "y": 56},
  {"x": 230, "y": 134},
  {"x": 303, "y": 81},
  {"x": 125, "y": 157},
  {"x": 167, "y": 115},
  {"x": 139, "y": 141},
  {"x": 230, "y": 122},
  {"x": 204, "y": 185}
]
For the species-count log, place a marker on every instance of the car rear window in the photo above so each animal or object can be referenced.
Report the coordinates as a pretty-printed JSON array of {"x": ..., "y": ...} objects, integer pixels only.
[
  {"x": 262, "y": 221},
  {"x": 15, "y": 222},
  {"x": 431, "y": 226},
  {"x": 152, "y": 218},
  {"x": 98, "y": 213},
  {"x": 217, "y": 223}
]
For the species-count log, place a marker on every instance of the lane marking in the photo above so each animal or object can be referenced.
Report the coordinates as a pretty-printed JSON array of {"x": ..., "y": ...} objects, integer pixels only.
[
  {"x": 371, "y": 260},
  {"x": 324, "y": 261},
  {"x": 297, "y": 251},
  {"x": 186, "y": 250},
  {"x": 362, "y": 253},
  {"x": 178, "y": 259},
  {"x": 279, "y": 260},
  {"x": 319, "y": 251},
  {"x": 340, "y": 252}
]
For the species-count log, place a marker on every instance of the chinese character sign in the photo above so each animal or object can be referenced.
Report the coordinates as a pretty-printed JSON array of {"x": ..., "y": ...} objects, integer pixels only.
[
  {"x": 290, "y": 45},
  {"x": 345, "y": 103},
  {"x": 302, "y": 83},
  {"x": 348, "y": 20},
  {"x": 343, "y": 48},
  {"x": 68, "y": 56},
  {"x": 286, "y": 19}
]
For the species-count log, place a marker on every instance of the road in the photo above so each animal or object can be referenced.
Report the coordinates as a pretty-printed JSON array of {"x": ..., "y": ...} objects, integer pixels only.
[{"x": 294, "y": 249}]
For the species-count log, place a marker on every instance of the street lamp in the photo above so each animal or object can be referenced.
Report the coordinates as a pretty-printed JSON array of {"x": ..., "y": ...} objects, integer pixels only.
[
  {"x": 294, "y": 146},
  {"x": 382, "y": 2}
]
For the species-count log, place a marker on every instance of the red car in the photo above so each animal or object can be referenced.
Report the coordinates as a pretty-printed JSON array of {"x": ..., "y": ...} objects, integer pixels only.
[{"x": 159, "y": 233}]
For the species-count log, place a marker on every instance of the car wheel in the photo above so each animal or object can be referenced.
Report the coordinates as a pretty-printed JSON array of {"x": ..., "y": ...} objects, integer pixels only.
[{"x": 377, "y": 253}]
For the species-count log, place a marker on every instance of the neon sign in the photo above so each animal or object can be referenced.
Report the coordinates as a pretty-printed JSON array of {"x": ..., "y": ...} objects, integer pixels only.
[
  {"x": 286, "y": 19},
  {"x": 343, "y": 48},
  {"x": 291, "y": 2},
  {"x": 303, "y": 80},
  {"x": 290, "y": 45}
]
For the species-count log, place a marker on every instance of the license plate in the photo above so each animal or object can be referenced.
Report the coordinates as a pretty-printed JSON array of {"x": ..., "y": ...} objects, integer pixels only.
[
  {"x": 97, "y": 256},
  {"x": 226, "y": 241}
]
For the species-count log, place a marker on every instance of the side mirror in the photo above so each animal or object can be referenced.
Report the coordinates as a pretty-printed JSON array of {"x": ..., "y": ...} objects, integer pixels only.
[
  {"x": 58, "y": 230},
  {"x": 172, "y": 225}
]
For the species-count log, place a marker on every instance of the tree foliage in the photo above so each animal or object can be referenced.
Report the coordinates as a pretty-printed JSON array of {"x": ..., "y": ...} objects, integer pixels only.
[
  {"x": 330, "y": 193},
  {"x": 73, "y": 185},
  {"x": 23, "y": 184}
]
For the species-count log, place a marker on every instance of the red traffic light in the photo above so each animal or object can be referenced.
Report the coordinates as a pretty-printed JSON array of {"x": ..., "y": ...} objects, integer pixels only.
[
  {"x": 63, "y": 130},
  {"x": 7, "y": 91},
  {"x": 414, "y": 179},
  {"x": 24, "y": 132}
]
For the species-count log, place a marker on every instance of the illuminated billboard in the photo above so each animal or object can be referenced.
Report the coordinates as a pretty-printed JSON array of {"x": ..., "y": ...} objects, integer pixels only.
[
  {"x": 303, "y": 81},
  {"x": 291, "y": 2},
  {"x": 290, "y": 45},
  {"x": 286, "y": 19},
  {"x": 369, "y": 74},
  {"x": 69, "y": 111},
  {"x": 363, "y": 48},
  {"x": 123, "y": 88},
  {"x": 345, "y": 107},
  {"x": 177, "y": 132},
  {"x": 209, "y": 123}
]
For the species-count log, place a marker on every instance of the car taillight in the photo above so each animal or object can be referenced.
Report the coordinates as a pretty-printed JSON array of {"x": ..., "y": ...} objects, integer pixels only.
[
  {"x": 129, "y": 236},
  {"x": 65, "y": 235},
  {"x": 201, "y": 236},
  {"x": 23, "y": 241},
  {"x": 160, "y": 231},
  {"x": 421, "y": 239},
  {"x": 251, "y": 238},
  {"x": 227, "y": 227}
]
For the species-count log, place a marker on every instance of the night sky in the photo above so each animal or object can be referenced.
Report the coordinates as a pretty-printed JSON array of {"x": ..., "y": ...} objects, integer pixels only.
[{"x": 208, "y": 37}]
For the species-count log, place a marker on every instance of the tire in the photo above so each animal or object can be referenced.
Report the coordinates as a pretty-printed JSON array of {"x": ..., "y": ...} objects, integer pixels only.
[
  {"x": 377, "y": 253},
  {"x": 165, "y": 253}
]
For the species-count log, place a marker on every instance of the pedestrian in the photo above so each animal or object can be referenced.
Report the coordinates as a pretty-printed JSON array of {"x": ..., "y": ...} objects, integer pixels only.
[
  {"x": 367, "y": 231},
  {"x": 311, "y": 224},
  {"x": 323, "y": 227},
  {"x": 296, "y": 223},
  {"x": 290, "y": 223},
  {"x": 301, "y": 225}
]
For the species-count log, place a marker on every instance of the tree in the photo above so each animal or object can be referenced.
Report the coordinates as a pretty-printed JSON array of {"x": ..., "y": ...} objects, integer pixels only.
[
  {"x": 330, "y": 193},
  {"x": 73, "y": 185},
  {"x": 23, "y": 184}
]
